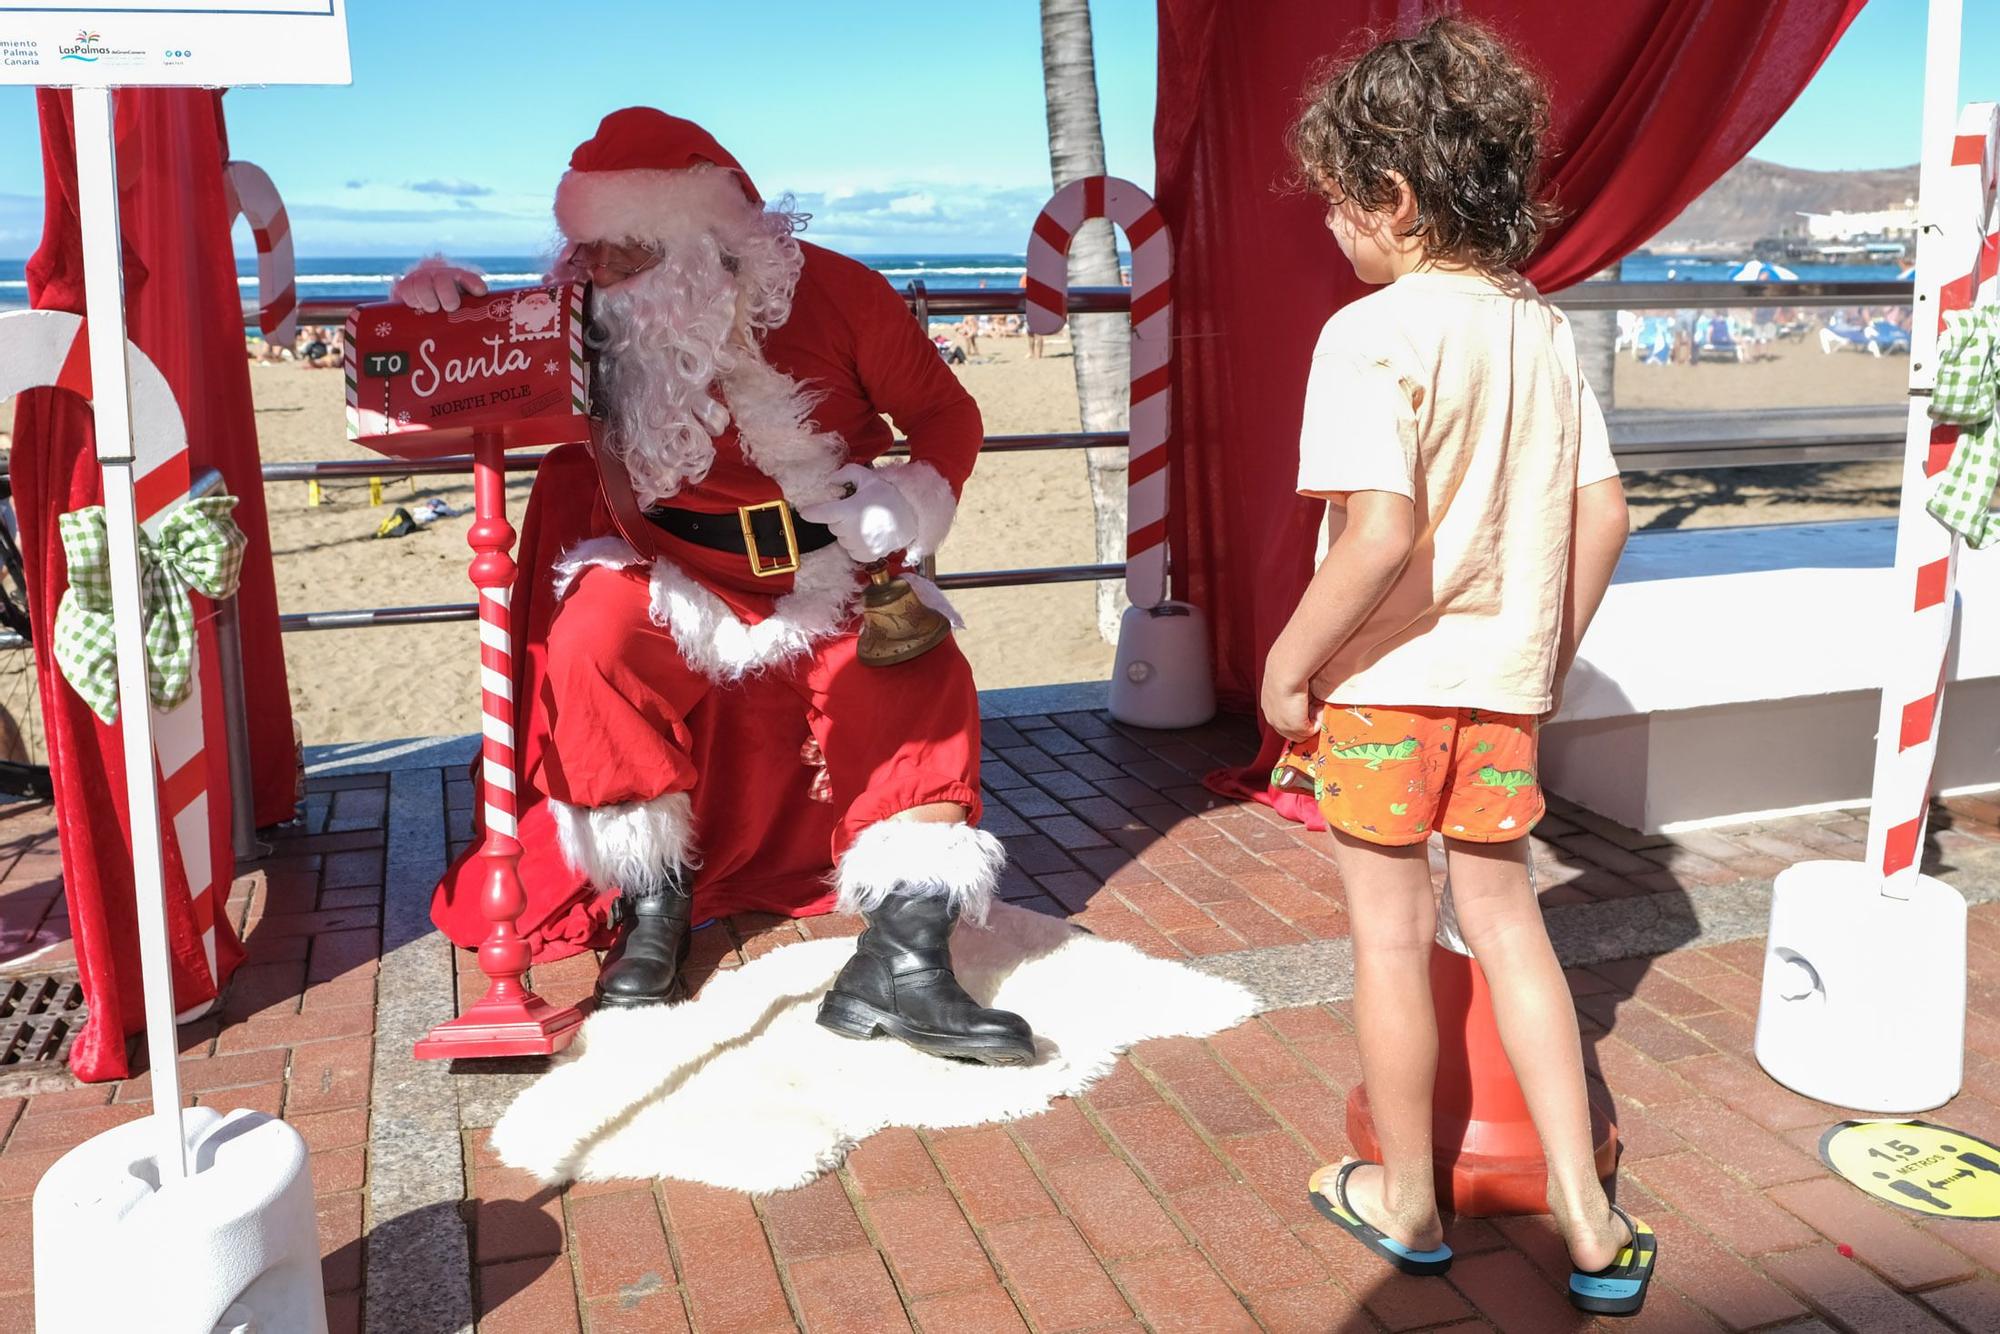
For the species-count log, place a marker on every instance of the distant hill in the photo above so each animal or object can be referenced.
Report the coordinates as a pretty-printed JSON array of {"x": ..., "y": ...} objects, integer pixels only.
[{"x": 1756, "y": 199}]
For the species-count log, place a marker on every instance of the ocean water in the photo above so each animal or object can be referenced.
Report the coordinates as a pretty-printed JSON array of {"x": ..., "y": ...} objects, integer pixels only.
[{"x": 371, "y": 276}]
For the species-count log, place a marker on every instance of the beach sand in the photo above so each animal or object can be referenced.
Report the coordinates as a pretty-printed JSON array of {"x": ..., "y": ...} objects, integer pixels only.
[
  {"x": 1795, "y": 375},
  {"x": 1019, "y": 510}
]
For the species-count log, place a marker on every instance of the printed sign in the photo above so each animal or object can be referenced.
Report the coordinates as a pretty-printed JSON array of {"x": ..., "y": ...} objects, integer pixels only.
[
  {"x": 1930, "y": 1169},
  {"x": 173, "y": 43},
  {"x": 509, "y": 363}
]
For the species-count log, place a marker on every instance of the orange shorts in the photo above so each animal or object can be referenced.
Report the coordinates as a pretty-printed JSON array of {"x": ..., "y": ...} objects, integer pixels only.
[{"x": 1393, "y": 776}]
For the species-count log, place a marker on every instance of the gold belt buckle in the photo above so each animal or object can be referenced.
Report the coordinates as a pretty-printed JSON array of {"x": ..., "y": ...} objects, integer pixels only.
[{"x": 785, "y": 564}]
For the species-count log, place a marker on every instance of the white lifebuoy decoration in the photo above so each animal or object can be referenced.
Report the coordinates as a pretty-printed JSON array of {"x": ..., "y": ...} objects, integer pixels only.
[
  {"x": 49, "y": 349},
  {"x": 1152, "y": 326},
  {"x": 251, "y": 195}
]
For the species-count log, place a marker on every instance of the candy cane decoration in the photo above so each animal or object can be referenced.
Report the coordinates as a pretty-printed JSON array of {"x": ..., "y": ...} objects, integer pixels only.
[
  {"x": 41, "y": 348},
  {"x": 1152, "y": 324},
  {"x": 493, "y": 572},
  {"x": 1966, "y": 245},
  {"x": 249, "y": 192}
]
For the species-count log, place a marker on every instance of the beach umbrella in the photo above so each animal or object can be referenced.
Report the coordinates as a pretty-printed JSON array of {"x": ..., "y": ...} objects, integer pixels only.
[{"x": 1758, "y": 271}]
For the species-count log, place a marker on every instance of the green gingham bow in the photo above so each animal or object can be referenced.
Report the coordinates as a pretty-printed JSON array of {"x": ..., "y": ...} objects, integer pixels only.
[
  {"x": 199, "y": 548},
  {"x": 1968, "y": 375}
]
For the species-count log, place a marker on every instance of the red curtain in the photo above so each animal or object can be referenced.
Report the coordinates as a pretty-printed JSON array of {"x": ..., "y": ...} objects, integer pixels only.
[
  {"x": 1653, "y": 100},
  {"x": 184, "y": 311}
]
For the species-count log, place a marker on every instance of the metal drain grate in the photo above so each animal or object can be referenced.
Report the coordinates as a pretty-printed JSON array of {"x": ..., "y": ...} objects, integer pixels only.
[{"x": 38, "y": 1017}]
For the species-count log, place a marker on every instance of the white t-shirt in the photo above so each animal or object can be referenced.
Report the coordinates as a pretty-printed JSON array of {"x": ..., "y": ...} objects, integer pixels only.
[{"x": 1460, "y": 391}]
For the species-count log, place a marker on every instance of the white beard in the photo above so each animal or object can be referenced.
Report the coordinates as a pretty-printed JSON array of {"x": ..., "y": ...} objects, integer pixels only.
[{"x": 678, "y": 332}]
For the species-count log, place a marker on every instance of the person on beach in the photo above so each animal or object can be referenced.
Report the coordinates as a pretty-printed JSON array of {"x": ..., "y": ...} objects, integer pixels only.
[
  {"x": 1034, "y": 339},
  {"x": 1475, "y": 516},
  {"x": 745, "y": 484}
]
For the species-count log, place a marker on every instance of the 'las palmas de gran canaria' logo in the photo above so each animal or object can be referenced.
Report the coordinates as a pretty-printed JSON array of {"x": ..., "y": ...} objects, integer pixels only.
[{"x": 87, "y": 47}]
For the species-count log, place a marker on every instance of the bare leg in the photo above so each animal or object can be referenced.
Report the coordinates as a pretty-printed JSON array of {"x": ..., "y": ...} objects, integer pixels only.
[
  {"x": 1502, "y": 922},
  {"x": 1393, "y": 920}
]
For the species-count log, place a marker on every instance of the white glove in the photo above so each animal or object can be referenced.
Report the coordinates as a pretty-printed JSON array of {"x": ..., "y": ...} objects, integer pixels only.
[
  {"x": 435, "y": 285},
  {"x": 876, "y": 521}
]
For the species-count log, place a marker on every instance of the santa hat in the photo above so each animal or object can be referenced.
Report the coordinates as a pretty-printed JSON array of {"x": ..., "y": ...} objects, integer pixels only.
[{"x": 648, "y": 176}]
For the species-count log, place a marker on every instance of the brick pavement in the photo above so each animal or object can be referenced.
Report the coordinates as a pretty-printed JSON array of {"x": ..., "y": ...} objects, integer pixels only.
[{"x": 1168, "y": 1197}]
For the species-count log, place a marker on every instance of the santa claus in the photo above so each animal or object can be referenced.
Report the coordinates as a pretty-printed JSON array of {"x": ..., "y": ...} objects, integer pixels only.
[{"x": 745, "y": 375}]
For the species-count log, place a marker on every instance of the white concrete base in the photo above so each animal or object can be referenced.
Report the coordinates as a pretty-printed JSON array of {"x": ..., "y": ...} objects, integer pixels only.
[
  {"x": 1864, "y": 996},
  {"x": 1736, "y": 673},
  {"x": 1685, "y": 768},
  {"x": 235, "y": 1246},
  {"x": 1161, "y": 677}
]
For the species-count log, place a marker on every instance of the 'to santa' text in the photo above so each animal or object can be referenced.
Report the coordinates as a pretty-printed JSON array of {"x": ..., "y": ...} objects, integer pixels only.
[{"x": 428, "y": 378}]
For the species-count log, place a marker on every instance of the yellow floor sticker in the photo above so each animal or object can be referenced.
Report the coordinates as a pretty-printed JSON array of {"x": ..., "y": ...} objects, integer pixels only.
[{"x": 1931, "y": 1169}]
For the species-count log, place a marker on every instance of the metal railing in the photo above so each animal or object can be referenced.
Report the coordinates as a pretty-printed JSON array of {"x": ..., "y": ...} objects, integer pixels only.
[
  {"x": 1683, "y": 296},
  {"x": 1650, "y": 442},
  {"x": 923, "y": 302},
  {"x": 1668, "y": 441},
  {"x": 1595, "y": 295},
  {"x": 442, "y": 613},
  {"x": 324, "y": 469}
]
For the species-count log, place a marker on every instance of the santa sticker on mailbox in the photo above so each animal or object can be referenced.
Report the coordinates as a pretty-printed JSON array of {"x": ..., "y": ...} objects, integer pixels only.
[{"x": 509, "y": 364}]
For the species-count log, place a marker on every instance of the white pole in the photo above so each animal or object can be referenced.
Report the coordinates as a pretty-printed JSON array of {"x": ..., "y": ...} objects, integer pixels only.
[
  {"x": 1899, "y": 804},
  {"x": 111, "y": 393}
]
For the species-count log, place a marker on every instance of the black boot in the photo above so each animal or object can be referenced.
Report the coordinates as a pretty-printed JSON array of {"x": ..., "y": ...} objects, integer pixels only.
[
  {"x": 643, "y": 967},
  {"x": 900, "y": 982}
]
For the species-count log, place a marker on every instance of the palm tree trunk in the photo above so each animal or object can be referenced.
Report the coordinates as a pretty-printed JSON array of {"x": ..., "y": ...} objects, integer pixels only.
[{"x": 1103, "y": 350}]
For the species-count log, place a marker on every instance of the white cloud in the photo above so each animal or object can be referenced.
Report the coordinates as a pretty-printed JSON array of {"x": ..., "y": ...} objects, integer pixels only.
[
  {"x": 926, "y": 217},
  {"x": 451, "y": 187}
]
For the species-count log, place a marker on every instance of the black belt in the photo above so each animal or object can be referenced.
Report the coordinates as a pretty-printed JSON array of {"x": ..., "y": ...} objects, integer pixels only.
[{"x": 771, "y": 535}]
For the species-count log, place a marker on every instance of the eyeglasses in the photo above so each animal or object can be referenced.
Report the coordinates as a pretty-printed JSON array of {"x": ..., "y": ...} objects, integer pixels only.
[{"x": 621, "y": 260}]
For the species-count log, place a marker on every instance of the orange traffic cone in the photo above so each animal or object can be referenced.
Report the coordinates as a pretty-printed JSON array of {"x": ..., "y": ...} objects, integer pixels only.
[{"x": 1489, "y": 1159}]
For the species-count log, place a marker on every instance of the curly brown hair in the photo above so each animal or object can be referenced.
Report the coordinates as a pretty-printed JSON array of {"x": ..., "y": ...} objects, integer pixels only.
[{"x": 1454, "y": 111}]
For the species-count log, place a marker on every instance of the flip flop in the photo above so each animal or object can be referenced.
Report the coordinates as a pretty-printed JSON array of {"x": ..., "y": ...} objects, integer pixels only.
[
  {"x": 1620, "y": 1287},
  {"x": 1330, "y": 1198}
]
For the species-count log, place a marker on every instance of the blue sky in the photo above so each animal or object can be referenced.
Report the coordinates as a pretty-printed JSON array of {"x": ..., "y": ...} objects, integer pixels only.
[{"x": 902, "y": 126}]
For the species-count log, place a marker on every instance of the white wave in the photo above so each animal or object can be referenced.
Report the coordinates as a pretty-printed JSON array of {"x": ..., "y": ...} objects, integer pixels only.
[
  {"x": 921, "y": 272},
  {"x": 14, "y": 282},
  {"x": 376, "y": 279}
]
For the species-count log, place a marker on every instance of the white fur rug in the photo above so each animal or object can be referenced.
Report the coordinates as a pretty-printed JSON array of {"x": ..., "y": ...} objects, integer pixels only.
[{"x": 740, "y": 1088}]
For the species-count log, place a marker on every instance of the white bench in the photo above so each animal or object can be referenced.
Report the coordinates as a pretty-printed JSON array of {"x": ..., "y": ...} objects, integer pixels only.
[{"x": 1734, "y": 674}]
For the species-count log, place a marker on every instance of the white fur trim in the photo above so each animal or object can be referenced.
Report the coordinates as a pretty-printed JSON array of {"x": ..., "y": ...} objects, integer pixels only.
[
  {"x": 949, "y": 861},
  {"x": 647, "y": 205},
  {"x": 714, "y": 641},
  {"x": 632, "y": 847},
  {"x": 930, "y": 496},
  {"x": 825, "y": 593},
  {"x": 612, "y": 553},
  {"x": 775, "y": 429}
]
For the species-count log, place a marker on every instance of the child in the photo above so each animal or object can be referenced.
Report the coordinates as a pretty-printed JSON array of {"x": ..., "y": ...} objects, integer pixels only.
[{"x": 1475, "y": 516}]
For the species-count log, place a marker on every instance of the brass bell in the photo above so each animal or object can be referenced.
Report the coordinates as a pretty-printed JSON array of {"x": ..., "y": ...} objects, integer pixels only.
[{"x": 895, "y": 624}]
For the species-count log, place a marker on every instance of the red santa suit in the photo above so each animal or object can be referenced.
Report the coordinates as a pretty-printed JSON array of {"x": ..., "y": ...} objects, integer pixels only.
[
  {"x": 664, "y": 667},
  {"x": 634, "y": 649}
]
